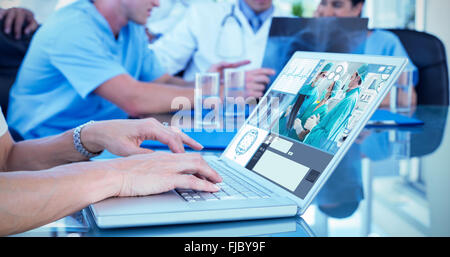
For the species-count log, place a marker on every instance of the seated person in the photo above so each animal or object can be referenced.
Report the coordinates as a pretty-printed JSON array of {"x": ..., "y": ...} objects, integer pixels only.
[
  {"x": 379, "y": 42},
  {"x": 167, "y": 16},
  {"x": 43, "y": 180},
  {"x": 212, "y": 32},
  {"x": 91, "y": 61}
]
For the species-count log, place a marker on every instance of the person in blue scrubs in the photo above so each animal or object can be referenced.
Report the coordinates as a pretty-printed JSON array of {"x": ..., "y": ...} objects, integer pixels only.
[
  {"x": 328, "y": 131},
  {"x": 317, "y": 110},
  {"x": 91, "y": 61},
  {"x": 378, "y": 42},
  {"x": 320, "y": 106},
  {"x": 306, "y": 96}
]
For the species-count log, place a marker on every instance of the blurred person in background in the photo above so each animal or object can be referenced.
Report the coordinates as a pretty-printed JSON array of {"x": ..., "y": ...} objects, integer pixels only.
[
  {"x": 90, "y": 61},
  {"x": 378, "y": 42},
  {"x": 215, "y": 32},
  {"x": 165, "y": 17}
]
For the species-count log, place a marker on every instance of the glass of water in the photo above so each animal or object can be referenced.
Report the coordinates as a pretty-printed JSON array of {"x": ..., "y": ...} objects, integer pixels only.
[
  {"x": 401, "y": 93},
  {"x": 234, "y": 92},
  {"x": 207, "y": 100}
]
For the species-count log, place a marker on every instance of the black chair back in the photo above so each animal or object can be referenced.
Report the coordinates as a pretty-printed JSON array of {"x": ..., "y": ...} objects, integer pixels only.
[
  {"x": 12, "y": 52},
  {"x": 427, "y": 52}
]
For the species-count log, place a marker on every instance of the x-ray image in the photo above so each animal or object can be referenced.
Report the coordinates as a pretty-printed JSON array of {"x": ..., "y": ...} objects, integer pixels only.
[{"x": 330, "y": 34}]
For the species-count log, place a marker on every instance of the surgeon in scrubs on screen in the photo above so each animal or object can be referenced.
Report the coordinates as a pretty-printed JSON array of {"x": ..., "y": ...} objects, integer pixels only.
[
  {"x": 378, "y": 42},
  {"x": 307, "y": 95},
  {"x": 315, "y": 111},
  {"x": 328, "y": 129}
]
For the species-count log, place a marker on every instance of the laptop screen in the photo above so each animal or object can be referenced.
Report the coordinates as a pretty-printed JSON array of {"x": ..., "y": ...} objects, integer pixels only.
[{"x": 304, "y": 119}]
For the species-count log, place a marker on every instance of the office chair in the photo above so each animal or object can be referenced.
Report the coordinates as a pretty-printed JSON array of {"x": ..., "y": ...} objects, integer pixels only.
[
  {"x": 12, "y": 53},
  {"x": 427, "y": 52}
]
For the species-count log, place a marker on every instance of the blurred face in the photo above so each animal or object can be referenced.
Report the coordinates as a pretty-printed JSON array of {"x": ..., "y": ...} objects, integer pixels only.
[
  {"x": 355, "y": 81},
  {"x": 259, "y": 6},
  {"x": 338, "y": 8},
  {"x": 138, "y": 11},
  {"x": 319, "y": 77}
]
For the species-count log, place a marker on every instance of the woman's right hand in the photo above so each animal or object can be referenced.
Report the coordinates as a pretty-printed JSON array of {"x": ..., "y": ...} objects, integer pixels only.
[{"x": 158, "y": 172}]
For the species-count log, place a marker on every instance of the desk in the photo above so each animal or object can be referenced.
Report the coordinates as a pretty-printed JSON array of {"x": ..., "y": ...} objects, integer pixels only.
[{"x": 400, "y": 188}]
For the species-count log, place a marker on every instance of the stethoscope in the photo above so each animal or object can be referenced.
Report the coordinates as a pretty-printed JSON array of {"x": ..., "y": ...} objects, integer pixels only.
[{"x": 227, "y": 19}]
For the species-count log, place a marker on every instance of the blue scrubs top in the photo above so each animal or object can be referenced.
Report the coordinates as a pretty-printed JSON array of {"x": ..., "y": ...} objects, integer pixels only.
[
  {"x": 313, "y": 110},
  {"x": 386, "y": 43},
  {"x": 345, "y": 185},
  {"x": 330, "y": 127},
  {"x": 72, "y": 54},
  {"x": 311, "y": 93}
]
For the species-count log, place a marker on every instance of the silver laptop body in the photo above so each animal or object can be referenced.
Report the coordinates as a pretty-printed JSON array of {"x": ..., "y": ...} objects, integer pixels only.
[{"x": 268, "y": 174}]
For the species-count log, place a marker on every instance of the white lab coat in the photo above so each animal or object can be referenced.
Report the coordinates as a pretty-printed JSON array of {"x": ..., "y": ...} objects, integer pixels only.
[
  {"x": 191, "y": 45},
  {"x": 168, "y": 14}
]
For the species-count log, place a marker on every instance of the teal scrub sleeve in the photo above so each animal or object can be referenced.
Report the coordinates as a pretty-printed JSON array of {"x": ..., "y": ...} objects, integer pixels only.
[
  {"x": 84, "y": 62},
  {"x": 332, "y": 124},
  {"x": 151, "y": 67}
]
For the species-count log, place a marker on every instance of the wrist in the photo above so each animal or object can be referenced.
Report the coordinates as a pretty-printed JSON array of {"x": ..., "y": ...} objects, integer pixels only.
[
  {"x": 91, "y": 138},
  {"x": 101, "y": 180}
]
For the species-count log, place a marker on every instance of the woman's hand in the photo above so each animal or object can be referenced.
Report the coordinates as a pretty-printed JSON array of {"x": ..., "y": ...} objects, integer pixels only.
[
  {"x": 155, "y": 173},
  {"x": 124, "y": 137}
]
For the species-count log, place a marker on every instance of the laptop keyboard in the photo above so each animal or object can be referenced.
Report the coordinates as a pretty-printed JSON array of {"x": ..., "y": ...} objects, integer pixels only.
[{"x": 231, "y": 188}]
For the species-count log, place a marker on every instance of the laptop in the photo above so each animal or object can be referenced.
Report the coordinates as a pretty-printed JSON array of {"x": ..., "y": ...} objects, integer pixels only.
[{"x": 272, "y": 168}]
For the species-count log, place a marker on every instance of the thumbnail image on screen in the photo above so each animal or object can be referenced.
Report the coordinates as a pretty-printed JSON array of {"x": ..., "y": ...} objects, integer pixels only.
[
  {"x": 305, "y": 117},
  {"x": 320, "y": 101}
]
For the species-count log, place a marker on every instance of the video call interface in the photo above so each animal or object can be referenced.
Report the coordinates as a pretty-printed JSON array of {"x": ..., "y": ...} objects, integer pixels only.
[{"x": 305, "y": 118}]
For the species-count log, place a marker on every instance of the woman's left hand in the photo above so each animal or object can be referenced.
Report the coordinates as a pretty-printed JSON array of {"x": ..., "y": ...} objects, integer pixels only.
[{"x": 124, "y": 137}]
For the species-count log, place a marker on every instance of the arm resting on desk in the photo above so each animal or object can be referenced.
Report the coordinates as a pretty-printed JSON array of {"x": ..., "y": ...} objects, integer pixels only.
[
  {"x": 171, "y": 80},
  {"x": 39, "y": 154},
  {"x": 120, "y": 137},
  {"x": 142, "y": 98},
  {"x": 31, "y": 199}
]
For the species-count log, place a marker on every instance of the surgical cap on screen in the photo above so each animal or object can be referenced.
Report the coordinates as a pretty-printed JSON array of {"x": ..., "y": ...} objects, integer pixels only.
[
  {"x": 327, "y": 67},
  {"x": 363, "y": 71}
]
